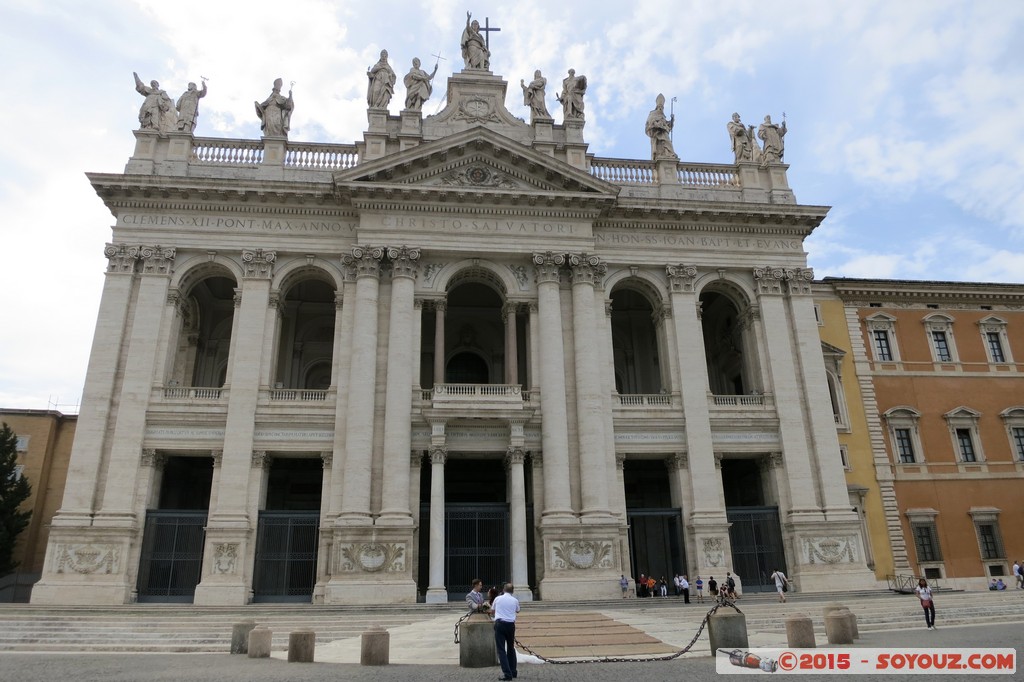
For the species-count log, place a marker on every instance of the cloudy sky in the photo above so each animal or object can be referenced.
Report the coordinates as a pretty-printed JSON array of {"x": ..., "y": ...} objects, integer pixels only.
[{"x": 906, "y": 117}]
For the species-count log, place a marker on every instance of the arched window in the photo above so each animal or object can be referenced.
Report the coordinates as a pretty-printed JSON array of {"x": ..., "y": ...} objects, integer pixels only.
[{"x": 634, "y": 343}]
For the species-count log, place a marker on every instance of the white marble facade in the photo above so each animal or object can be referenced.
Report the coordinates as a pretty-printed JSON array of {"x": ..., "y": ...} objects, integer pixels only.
[{"x": 269, "y": 300}]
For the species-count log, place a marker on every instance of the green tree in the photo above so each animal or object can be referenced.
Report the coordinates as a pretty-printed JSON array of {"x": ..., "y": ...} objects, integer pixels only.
[{"x": 13, "y": 491}]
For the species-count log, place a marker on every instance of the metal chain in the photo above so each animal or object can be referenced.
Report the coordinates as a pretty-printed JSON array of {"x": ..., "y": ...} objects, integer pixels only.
[{"x": 621, "y": 659}]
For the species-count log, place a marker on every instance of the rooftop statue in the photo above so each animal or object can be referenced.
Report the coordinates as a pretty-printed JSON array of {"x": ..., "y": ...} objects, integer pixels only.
[
  {"x": 573, "y": 89},
  {"x": 382, "y": 83},
  {"x": 533, "y": 96},
  {"x": 188, "y": 107},
  {"x": 772, "y": 134},
  {"x": 275, "y": 112},
  {"x": 744, "y": 143},
  {"x": 659, "y": 128},
  {"x": 418, "y": 86},
  {"x": 474, "y": 47},
  {"x": 157, "y": 112}
]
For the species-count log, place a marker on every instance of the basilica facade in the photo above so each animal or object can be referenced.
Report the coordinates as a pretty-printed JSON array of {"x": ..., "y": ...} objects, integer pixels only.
[{"x": 461, "y": 347}]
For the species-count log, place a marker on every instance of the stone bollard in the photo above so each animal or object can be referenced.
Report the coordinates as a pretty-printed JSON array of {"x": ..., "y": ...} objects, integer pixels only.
[
  {"x": 301, "y": 645},
  {"x": 259, "y": 642},
  {"x": 476, "y": 642},
  {"x": 852, "y": 617},
  {"x": 833, "y": 606},
  {"x": 800, "y": 631},
  {"x": 837, "y": 628},
  {"x": 727, "y": 631},
  {"x": 375, "y": 646},
  {"x": 240, "y": 636}
]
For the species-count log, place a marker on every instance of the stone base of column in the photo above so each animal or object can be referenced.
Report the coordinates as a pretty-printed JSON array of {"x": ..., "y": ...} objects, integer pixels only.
[
  {"x": 437, "y": 595},
  {"x": 827, "y": 556},
  {"x": 371, "y": 565},
  {"x": 87, "y": 566},
  {"x": 581, "y": 562},
  {"x": 710, "y": 533},
  {"x": 227, "y": 550}
]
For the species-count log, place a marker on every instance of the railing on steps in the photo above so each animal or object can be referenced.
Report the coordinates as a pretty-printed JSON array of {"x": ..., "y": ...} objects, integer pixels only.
[{"x": 905, "y": 584}]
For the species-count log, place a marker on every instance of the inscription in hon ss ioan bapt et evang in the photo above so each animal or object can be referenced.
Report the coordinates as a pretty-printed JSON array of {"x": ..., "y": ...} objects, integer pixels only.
[{"x": 696, "y": 241}]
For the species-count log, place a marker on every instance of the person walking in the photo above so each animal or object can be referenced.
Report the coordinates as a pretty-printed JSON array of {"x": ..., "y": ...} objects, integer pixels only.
[
  {"x": 506, "y": 609},
  {"x": 712, "y": 588},
  {"x": 699, "y": 583},
  {"x": 1018, "y": 574},
  {"x": 624, "y": 584},
  {"x": 781, "y": 584},
  {"x": 924, "y": 593}
]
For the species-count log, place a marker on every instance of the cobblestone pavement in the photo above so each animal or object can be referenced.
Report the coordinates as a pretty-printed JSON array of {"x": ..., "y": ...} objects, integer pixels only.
[{"x": 197, "y": 667}]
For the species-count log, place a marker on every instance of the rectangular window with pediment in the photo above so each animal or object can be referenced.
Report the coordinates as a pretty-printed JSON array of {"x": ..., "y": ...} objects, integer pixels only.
[
  {"x": 926, "y": 540},
  {"x": 966, "y": 444},
  {"x": 904, "y": 446},
  {"x": 883, "y": 349},
  {"x": 995, "y": 347},
  {"x": 989, "y": 541},
  {"x": 942, "y": 353},
  {"x": 1017, "y": 433}
]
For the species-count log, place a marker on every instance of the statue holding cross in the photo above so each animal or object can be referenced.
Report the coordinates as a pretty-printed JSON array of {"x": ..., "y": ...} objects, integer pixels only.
[{"x": 475, "y": 47}]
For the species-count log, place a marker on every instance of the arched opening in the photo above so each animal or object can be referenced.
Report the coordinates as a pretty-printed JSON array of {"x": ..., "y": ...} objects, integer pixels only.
[
  {"x": 474, "y": 337},
  {"x": 206, "y": 315},
  {"x": 306, "y": 329},
  {"x": 634, "y": 343},
  {"x": 466, "y": 368},
  {"x": 728, "y": 346}
]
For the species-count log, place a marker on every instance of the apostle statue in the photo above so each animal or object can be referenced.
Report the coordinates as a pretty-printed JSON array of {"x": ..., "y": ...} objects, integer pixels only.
[
  {"x": 743, "y": 142},
  {"x": 188, "y": 107},
  {"x": 418, "y": 86},
  {"x": 382, "y": 83},
  {"x": 533, "y": 96},
  {"x": 772, "y": 135},
  {"x": 659, "y": 129},
  {"x": 275, "y": 112},
  {"x": 573, "y": 89},
  {"x": 474, "y": 48},
  {"x": 157, "y": 112}
]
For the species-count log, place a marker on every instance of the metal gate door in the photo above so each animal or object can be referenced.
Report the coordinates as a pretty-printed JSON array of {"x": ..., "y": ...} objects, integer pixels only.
[
  {"x": 757, "y": 550},
  {"x": 477, "y": 546},
  {"x": 172, "y": 556},
  {"x": 286, "y": 547},
  {"x": 654, "y": 542}
]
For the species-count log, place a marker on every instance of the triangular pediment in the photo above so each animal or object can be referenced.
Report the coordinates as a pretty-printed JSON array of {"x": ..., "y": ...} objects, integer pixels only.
[{"x": 475, "y": 160}]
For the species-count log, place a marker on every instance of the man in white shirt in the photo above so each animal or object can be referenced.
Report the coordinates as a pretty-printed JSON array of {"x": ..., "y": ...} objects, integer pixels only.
[
  {"x": 1018, "y": 574},
  {"x": 684, "y": 586},
  {"x": 505, "y": 609},
  {"x": 781, "y": 582}
]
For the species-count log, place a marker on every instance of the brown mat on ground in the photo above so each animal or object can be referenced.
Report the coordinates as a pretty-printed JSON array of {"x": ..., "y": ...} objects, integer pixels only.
[{"x": 584, "y": 635}]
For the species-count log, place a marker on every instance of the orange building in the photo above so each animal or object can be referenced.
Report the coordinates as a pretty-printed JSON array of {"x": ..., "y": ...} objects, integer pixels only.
[
  {"x": 946, "y": 368},
  {"x": 44, "y": 449}
]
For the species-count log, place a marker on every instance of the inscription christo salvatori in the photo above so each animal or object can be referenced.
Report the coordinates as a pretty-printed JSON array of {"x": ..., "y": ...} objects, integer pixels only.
[
  {"x": 697, "y": 241},
  {"x": 479, "y": 225},
  {"x": 229, "y": 223}
]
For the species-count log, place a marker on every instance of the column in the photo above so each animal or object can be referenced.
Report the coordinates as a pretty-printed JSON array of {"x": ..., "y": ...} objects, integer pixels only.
[
  {"x": 517, "y": 518},
  {"x": 534, "y": 344},
  {"x": 398, "y": 401},
  {"x": 813, "y": 382},
  {"x": 355, "y": 502},
  {"x": 244, "y": 370},
  {"x": 436, "y": 592},
  {"x": 508, "y": 315},
  {"x": 100, "y": 379},
  {"x": 589, "y": 404},
  {"x": 119, "y": 503},
  {"x": 440, "y": 306},
  {"x": 693, "y": 388},
  {"x": 554, "y": 430},
  {"x": 789, "y": 399},
  {"x": 344, "y": 303}
]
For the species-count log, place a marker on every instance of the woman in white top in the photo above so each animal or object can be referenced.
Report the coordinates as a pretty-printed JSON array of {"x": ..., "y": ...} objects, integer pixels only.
[{"x": 924, "y": 593}]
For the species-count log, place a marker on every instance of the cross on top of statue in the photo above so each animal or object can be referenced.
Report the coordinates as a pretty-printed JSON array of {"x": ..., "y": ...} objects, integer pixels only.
[{"x": 486, "y": 30}]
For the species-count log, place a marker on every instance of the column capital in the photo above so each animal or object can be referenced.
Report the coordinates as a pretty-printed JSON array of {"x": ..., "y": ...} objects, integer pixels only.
[
  {"x": 156, "y": 260},
  {"x": 773, "y": 460},
  {"x": 536, "y": 458},
  {"x": 404, "y": 261},
  {"x": 769, "y": 280},
  {"x": 586, "y": 268},
  {"x": 514, "y": 455},
  {"x": 508, "y": 308},
  {"x": 365, "y": 261},
  {"x": 440, "y": 305},
  {"x": 718, "y": 460},
  {"x": 418, "y": 303},
  {"x": 152, "y": 458},
  {"x": 260, "y": 459},
  {"x": 681, "y": 277},
  {"x": 677, "y": 460},
  {"x": 217, "y": 456},
  {"x": 620, "y": 461},
  {"x": 799, "y": 281},
  {"x": 608, "y": 307},
  {"x": 416, "y": 459},
  {"x": 660, "y": 314},
  {"x": 438, "y": 454},
  {"x": 327, "y": 457},
  {"x": 548, "y": 266},
  {"x": 121, "y": 258},
  {"x": 257, "y": 263}
]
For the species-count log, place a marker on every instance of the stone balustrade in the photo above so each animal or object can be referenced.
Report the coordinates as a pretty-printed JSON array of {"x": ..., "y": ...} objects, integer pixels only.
[
  {"x": 643, "y": 400},
  {"x": 706, "y": 175},
  {"x": 297, "y": 395},
  {"x": 318, "y": 156},
  {"x": 478, "y": 396},
  {"x": 207, "y": 150},
  {"x": 623, "y": 171},
  {"x": 192, "y": 393},
  {"x": 757, "y": 400}
]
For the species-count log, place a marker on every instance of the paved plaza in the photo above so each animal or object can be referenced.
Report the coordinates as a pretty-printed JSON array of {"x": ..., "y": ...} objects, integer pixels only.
[{"x": 188, "y": 667}]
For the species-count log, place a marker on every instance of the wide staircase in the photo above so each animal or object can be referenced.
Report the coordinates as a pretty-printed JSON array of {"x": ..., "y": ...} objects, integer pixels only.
[{"x": 189, "y": 628}]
